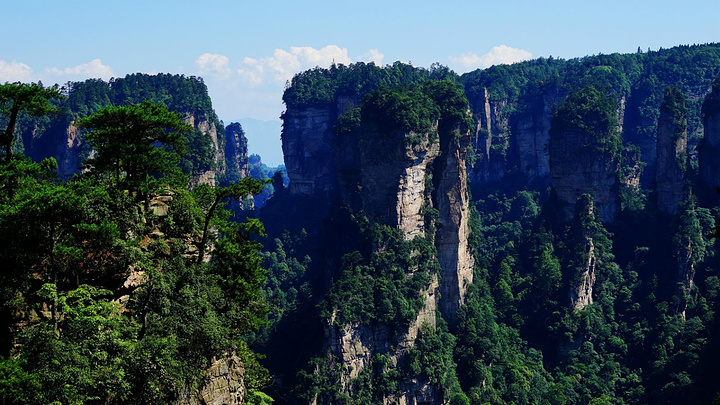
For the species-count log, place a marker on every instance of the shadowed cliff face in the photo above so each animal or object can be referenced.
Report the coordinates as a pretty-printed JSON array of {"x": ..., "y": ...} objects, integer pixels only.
[
  {"x": 57, "y": 136},
  {"x": 410, "y": 180},
  {"x": 307, "y": 149},
  {"x": 671, "y": 162},
  {"x": 236, "y": 153},
  {"x": 393, "y": 178},
  {"x": 709, "y": 149},
  {"x": 585, "y": 152},
  {"x": 209, "y": 130}
]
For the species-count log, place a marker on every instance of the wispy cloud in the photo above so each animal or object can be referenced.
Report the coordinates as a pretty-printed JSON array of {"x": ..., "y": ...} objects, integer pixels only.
[
  {"x": 253, "y": 86},
  {"x": 15, "y": 72},
  {"x": 499, "y": 55},
  {"x": 213, "y": 63},
  {"x": 283, "y": 64},
  {"x": 20, "y": 72},
  {"x": 373, "y": 55},
  {"x": 93, "y": 69}
]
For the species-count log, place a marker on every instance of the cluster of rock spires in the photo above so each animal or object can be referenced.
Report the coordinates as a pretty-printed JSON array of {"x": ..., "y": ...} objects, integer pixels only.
[
  {"x": 386, "y": 180},
  {"x": 504, "y": 141},
  {"x": 230, "y": 153},
  {"x": 392, "y": 182}
]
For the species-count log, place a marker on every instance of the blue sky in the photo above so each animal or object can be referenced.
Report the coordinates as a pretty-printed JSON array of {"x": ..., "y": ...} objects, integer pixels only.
[{"x": 246, "y": 50}]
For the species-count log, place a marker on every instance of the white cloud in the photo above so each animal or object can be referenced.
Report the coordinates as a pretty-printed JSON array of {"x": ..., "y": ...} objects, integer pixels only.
[
  {"x": 499, "y": 55},
  {"x": 253, "y": 86},
  {"x": 15, "y": 72},
  {"x": 373, "y": 55},
  {"x": 283, "y": 64},
  {"x": 92, "y": 69},
  {"x": 213, "y": 63}
]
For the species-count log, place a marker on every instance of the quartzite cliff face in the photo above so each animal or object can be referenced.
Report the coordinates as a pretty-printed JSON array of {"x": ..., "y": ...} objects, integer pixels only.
[
  {"x": 672, "y": 161},
  {"x": 394, "y": 179},
  {"x": 61, "y": 139}
]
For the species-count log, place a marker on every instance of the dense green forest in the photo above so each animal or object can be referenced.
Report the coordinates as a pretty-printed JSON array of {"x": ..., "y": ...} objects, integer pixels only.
[
  {"x": 126, "y": 282},
  {"x": 106, "y": 294},
  {"x": 648, "y": 333},
  {"x": 40, "y": 136}
]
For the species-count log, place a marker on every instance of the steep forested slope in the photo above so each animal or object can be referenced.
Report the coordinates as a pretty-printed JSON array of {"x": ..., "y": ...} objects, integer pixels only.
[
  {"x": 595, "y": 280},
  {"x": 106, "y": 291}
]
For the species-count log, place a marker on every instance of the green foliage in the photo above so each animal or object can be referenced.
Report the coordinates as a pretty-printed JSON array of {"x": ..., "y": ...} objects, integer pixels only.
[
  {"x": 589, "y": 111},
  {"x": 400, "y": 110},
  {"x": 33, "y": 99},
  {"x": 108, "y": 305},
  {"x": 126, "y": 141},
  {"x": 386, "y": 287},
  {"x": 319, "y": 87},
  {"x": 200, "y": 156},
  {"x": 348, "y": 122}
]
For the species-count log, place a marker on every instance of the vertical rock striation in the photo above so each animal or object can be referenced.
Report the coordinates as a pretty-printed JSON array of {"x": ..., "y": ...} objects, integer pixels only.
[
  {"x": 236, "y": 153},
  {"x": 709, "y": 149},
  {"x": 307, "y": 149},
  {"x": 210, "y": 130},
  {"x": 585, "y": 152},
  {"x": 414, "y": 181},
  {"x": 451, "y": 238},
  {"x": 393, "y": 179},
  {"x": 224, "y": 384},
  {"x": 671, "y": 162},
  {"x": 531, "y": 133}
]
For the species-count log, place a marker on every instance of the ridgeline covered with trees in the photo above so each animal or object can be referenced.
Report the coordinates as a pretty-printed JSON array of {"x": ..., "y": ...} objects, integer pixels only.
[
  {"x": 535, "y": 233},
  {"x": 595, "y": 276},
  {"x": 106, "y": 294}
]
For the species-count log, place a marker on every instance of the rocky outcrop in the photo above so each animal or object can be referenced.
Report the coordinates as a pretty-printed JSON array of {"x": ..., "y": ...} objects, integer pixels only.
[
  {"x": 236, "y": 153},
  {"x": 224, "y": 384},
  {"x": 709, "y": 149},
  {"x": 394, "y": 178},
  {"x": 307, "y": 149},
  {"x": 491, "y": 137},
  {"x": 581, "y": 289},
  {"x": 582, "y": 293},
  {"x": 68, "y": 152},
  {"x": 210, "y": 130},
  {"x": 413, "y": 181},
  {"x": 59, "y": 138},
  {"x": 685, "y": 274},
  {"x": 531, "y": 131},
  {"x": 671, "y": 162},
  {"x": 451, "y": 238},
  {"x": 355, "y": 345},
  {"x": 576, "y": 169},
  {"x": 586, "y": 152}
]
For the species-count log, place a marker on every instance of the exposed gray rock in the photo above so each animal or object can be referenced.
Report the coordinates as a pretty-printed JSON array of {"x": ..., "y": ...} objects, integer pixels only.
[{"x": 224, "y": 384}]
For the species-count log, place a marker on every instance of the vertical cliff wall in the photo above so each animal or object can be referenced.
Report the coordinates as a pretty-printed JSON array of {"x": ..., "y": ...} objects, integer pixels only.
[
  {"x": 709, "y": 149},
  {"x": 58, "y": 137},
  {"x": 405, "y": 173},
  {"x": 672, "y": 161},
  {"x": 211, "y": 132},
  {"x": 585, "y": 152},
  {"x": 307, "y": 149},
  {"x": 236, "y": 153},
  {"x": 451, "y": 238}
]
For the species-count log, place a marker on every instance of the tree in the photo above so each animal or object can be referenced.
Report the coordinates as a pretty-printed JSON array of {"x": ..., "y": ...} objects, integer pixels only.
[
  {"x": 212, "y": 197},
  {"x": 135, "y": 144},
  {"x": 31, "y": 98}
]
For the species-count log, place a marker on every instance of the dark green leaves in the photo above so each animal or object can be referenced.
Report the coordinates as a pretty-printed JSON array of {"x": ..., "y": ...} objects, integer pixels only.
[{"x": 135, "y": 143}]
